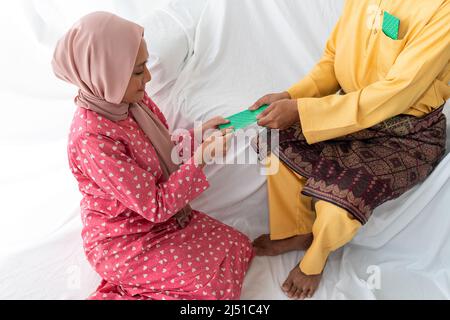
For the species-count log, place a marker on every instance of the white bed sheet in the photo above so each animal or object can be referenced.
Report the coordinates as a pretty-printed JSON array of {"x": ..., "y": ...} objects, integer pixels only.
[{"x": 208, "y": 58}]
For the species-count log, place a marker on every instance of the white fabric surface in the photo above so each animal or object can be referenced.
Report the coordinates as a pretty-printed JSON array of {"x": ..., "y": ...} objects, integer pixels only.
[{"x": 208, "y": 58}]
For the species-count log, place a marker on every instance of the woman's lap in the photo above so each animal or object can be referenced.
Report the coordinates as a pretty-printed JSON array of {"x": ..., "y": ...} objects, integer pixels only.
[{"x": 207, "y": 259}]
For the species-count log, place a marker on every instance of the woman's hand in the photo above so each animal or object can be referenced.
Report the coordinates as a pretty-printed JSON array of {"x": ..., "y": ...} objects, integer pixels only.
[
  {"x": 214, "y": 148},
  {"x": 269, "y": 99},
  {"x": 214, "y": 123},
  {"x": 209, "y": 126},
  {"x": 281, "y": 115}
]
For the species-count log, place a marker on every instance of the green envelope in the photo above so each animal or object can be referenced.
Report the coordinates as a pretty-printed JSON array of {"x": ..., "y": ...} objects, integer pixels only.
[{"x": 243, "y": 119}]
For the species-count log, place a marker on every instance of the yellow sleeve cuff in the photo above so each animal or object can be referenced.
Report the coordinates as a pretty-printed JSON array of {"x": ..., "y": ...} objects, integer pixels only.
[
  {"x": 322, "y": 119},
  {"x": 304, "y": 88},
  {"x": 303, "y": 106}
]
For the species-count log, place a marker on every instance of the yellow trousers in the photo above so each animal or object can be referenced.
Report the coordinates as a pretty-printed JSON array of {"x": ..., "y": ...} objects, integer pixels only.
[{"x": 291, "y": 214}]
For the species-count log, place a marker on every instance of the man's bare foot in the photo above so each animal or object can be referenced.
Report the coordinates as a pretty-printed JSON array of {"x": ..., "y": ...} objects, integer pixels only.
[
  {"x": 299, "y": 285},
  {"x": 265, "y": 247}
]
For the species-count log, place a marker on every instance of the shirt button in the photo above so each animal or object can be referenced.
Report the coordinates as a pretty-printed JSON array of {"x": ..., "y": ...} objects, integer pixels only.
[{"x": 375, "y": 31}]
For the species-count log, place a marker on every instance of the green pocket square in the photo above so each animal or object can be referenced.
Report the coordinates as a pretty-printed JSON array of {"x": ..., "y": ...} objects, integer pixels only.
[{"x": 391, "y": 25}]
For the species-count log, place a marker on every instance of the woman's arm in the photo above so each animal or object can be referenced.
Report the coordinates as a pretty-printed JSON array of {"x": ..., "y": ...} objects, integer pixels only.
[
  {"x": 104, "y": 161},
  {"x": 186, "y": 141}
]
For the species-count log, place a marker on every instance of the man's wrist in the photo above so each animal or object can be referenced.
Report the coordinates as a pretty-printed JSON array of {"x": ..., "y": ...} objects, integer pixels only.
[
  {"x": 287, "y": 95},
  {"x": 295, "y": 110}
]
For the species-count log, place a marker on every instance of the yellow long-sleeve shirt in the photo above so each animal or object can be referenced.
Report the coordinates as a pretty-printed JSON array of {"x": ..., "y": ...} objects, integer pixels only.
[{"x": 382, "y": 77}]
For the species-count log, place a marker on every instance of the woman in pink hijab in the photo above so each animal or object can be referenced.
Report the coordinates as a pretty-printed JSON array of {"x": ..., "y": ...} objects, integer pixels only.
[{"x": 139, "y": 232}]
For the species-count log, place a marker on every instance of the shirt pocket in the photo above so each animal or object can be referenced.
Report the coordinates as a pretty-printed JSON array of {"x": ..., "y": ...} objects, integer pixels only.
[{"x": 388, "y": 52}]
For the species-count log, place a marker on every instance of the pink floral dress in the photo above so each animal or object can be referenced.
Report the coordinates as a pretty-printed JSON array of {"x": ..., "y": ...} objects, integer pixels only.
[{"x": 130, "y": 235}]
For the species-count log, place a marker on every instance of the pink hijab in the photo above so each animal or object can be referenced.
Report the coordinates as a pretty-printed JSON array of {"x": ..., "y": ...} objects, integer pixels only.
[{"x": 98, "y": 55}]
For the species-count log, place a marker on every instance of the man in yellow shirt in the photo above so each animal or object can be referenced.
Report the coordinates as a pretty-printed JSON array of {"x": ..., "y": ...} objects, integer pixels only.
[{"x": 343, "y": 155}]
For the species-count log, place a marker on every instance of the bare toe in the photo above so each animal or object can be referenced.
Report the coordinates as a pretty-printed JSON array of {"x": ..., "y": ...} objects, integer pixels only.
[
  {"x": 301, "y": 286},
  {"x": 298, "y": 294},
  {"x": 287, "y": 285},
  {"x": 292, "y": 292},
  {"x": 303, "y": 295}
]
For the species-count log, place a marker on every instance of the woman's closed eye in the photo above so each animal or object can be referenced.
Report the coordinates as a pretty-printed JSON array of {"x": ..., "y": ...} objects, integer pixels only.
[{"x": 140, "y": 69}]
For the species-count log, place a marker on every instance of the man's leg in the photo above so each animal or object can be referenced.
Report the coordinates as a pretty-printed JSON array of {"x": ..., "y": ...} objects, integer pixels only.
[
  {"x": 290, "y": 214},
  {"x": 333, "y": 228}
]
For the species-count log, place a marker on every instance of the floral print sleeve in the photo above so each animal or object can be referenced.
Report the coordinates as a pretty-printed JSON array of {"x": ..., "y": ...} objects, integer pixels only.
[{"x": 105, "y": 161}]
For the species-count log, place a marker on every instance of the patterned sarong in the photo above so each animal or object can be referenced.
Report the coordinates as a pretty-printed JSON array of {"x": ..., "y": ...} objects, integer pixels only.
[{"x": 361, "y": 171}]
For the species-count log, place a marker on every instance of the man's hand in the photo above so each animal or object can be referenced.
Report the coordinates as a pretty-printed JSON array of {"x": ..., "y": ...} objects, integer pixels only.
[
  {"x": 269, "y": 99},
  {"x": 280, "y": 115}
]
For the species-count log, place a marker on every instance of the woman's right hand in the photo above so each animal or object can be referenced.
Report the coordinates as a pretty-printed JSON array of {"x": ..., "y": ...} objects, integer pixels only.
[
  {"x": 214, "y": 148},
  {"x": 269, "y": 99}
]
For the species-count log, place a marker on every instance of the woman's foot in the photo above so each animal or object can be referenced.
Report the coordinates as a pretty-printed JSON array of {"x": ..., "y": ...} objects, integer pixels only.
[
  {"x": 299, "y": 285},
  {"x": 265, "y": 247}
]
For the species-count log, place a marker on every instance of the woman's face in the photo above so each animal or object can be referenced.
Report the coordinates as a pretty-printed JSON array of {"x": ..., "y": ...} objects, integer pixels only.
[{"x": 140, "y": 77}]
